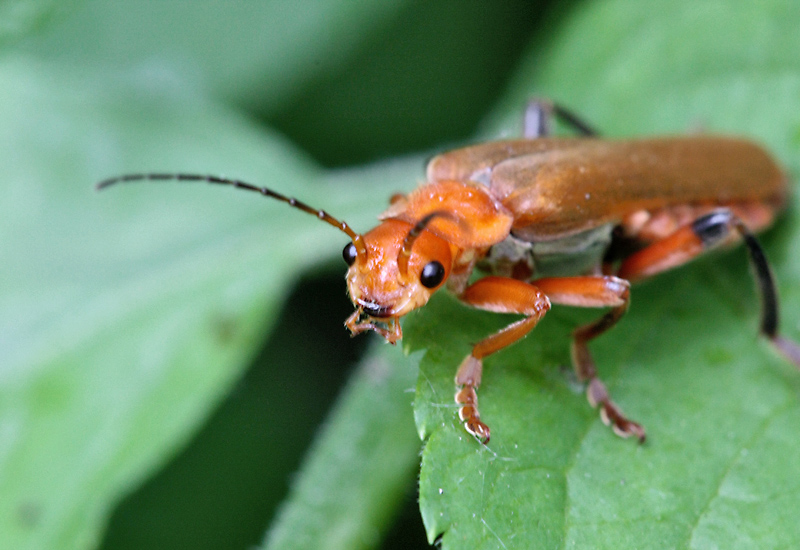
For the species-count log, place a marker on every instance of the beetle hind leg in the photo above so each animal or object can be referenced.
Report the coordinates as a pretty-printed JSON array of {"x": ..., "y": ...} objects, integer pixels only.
[{"x": 718, "y": 227}]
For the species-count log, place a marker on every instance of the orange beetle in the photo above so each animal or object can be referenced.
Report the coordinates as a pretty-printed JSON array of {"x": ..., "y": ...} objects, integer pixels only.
[{"x": 569, "y": 221}]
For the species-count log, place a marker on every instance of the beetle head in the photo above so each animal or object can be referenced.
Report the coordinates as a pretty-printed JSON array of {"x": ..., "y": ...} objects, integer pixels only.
[
  {"x": 403, "y": 265},
  {"x": 393, "y": 269}
]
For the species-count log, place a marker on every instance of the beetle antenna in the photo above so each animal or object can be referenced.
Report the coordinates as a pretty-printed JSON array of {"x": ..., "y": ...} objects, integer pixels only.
[
  {"x": 408, "y": 242},
  {"x": 357, "y": 239}
]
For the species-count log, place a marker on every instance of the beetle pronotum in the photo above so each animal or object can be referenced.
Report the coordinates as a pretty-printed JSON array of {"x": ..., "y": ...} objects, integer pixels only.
[{"x": 569, "y": 221}]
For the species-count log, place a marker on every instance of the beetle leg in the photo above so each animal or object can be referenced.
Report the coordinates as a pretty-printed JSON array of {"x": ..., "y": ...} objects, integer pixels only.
[
  {"x": 500, "y": 295},
  {"x": 717, "y": 227},
  {"x": 681, "y": 246},
  {"x": 594, "y": 291},
  {"x": 539, "y": 115}
]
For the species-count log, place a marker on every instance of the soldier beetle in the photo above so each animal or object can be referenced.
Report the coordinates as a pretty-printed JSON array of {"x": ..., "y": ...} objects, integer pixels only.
[{"x": 568, "y": 220}]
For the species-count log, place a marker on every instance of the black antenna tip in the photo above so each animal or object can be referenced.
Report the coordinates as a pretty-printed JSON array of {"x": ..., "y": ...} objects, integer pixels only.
[
  {"x": 105, "y": 183},
  {"x": 119, "y": 179}
]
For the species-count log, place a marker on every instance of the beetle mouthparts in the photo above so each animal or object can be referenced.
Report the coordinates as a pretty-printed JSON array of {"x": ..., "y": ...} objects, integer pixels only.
[
  {"x": 362, "y": 321},
  {"x": 374, "y": 310}
]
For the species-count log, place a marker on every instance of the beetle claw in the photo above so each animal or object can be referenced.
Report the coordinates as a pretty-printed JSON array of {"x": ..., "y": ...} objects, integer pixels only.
[
  {"x": 478, "y": 429},
  {"x": 612, "y": 416}
]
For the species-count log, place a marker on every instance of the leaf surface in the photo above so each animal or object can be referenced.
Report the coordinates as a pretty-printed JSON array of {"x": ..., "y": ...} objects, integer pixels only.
[
  {"x": 720, "y": 407},
  {"x": 127, "y": 314}
]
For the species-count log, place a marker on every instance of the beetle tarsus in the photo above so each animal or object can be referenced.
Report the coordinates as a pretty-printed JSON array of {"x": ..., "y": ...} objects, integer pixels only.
[
  {"x": 611, "y": 414},
  {"x": 468, "y": 378},
  {"x": 787, "y": 348},
  {"x": 469, "y": 415}
]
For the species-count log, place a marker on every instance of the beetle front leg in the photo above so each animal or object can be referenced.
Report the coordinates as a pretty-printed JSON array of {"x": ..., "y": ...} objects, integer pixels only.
[
  {"x": 594, "y": 291},
  {"x": 500, "y": 295}
]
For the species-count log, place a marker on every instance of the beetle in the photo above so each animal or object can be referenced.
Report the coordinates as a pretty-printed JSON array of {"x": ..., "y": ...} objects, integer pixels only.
[{"x": 554, "y": 220}]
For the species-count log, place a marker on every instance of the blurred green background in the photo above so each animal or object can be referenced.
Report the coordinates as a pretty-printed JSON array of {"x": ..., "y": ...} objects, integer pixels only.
[
  {"x": 173, "y": 367},
  {"x": 337, "y": 84}
]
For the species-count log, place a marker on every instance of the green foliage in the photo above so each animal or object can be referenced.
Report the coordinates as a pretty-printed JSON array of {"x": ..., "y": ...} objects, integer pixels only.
[
  {"x": 359, "y": 468},
  {"x": 126, "y": 317},
  {"x": 721, "y": 409}
]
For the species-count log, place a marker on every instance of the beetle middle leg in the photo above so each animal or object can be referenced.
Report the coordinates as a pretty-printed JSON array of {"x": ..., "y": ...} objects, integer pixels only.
[
  {"x": 500, "y": 295},
  {"x": 594, "y": 291}
]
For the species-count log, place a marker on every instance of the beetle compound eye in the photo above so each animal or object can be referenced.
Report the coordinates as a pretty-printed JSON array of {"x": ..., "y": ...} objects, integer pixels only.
[
  {"x": 432, "y": 274},
  {"x": 349, "y": 253}
]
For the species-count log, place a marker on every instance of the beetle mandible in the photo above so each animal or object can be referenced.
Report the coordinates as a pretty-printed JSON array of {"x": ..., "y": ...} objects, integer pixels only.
[{"x": 570, "y": 221}]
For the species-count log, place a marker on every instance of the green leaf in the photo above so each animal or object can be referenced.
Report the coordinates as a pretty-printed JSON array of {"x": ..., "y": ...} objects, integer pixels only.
[
  {"x": 721, "y": 408},
  {"x": 126, "y": 315},
  {"x": 359, "y": 468},
  {"x": 19, "y": 18},
  {"x": 124, "y": 319},
  {"x": 260, "y": 54}
]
